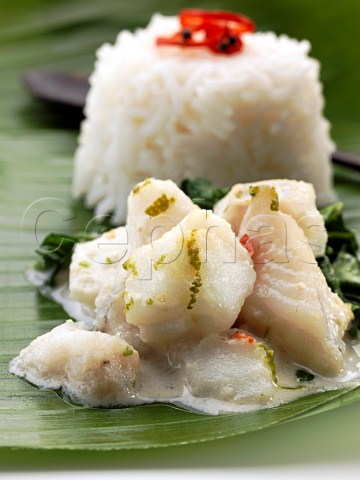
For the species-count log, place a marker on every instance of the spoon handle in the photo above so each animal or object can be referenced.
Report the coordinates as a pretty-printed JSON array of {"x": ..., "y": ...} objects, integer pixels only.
[
  {"x": 347, "y": 159},
  {"x": 61, "y": 88}
]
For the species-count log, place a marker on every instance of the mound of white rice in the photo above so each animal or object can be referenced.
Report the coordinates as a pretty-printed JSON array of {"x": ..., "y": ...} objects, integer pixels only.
[{"x": 172, "y": 113}]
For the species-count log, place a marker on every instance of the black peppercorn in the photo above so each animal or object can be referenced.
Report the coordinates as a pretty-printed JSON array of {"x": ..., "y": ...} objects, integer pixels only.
[
  {"x": 186, "y": 34},
  {"x": 232, "y": 40}
]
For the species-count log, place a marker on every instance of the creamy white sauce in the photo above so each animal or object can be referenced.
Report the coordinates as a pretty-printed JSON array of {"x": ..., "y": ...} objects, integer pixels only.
[
  {"x": 61, "y": 295},
  {"x": 161, "y": 373}
]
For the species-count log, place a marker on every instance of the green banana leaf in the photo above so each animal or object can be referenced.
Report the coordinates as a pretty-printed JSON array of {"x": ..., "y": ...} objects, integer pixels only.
[{"x": 36, "y": 150}]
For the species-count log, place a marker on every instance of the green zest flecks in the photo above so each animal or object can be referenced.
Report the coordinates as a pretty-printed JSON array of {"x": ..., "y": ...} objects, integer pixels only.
[
  {"x": 128, "y": 351},
  {"x": 84, "y": 264},
  {"x": 194, "y": 290},
  {"x": 140, "y": 186},
  {"x": 160, "y": 205},
  {"x": 270, "y": 360},
  {"x": 130, "y": 267},
  {"x": 253, "y": 191},
  {"x": 193, "y": 252},
  {"x": 274, "y": 205},
  {"x": 159, "y": 262},
  {"x": 128, "y": 305}
]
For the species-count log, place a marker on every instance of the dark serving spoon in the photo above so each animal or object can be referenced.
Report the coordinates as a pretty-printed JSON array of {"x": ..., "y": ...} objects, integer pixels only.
[
  {"x": 60, "y": 89},
  {"x": 57, "y": 88}
]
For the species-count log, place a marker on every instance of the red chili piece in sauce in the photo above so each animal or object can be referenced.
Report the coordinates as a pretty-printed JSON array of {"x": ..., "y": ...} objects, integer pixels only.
[
  {"x": 219, "y": 31},
  {"x": 246, "y": 242},
  {"x": 242, "y": 336}
]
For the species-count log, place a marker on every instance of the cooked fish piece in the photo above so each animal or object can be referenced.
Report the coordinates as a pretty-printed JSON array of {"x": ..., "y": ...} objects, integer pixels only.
[
  {"x": 296, "y": 198},
  {"x": 291, "y": 304},
  {"x": 110, "y": 315},
  {"x": 190, "y": 282},
  {"x": 155, "y": 207},
  {"x": 94, "y": 263},
  {"x": 233, "y": 367},
  {"x": 93, "y": 368}
]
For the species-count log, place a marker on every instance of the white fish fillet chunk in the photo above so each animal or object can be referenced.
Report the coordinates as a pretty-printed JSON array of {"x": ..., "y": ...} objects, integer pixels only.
[
  {"x": 93, "y": 368},
  {"x": 291, "y": 304},
  {"x": 94, "y": 263},
  {"x": 230, "y": 367},
  {"x": 109, "y": 312},
  {"x": 190, "y": 282},
  {"x": 155, "y": 207},
  {"x": 296, "y": 198}
]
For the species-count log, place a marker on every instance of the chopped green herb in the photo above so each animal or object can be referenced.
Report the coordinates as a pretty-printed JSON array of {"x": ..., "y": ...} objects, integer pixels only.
[
  {"x": 128, "y": 351},
  {"x": 133, "y": 382},
  {"x": 347, "y": 271},
  {"x": 149, "y": 301},
  {"x": 354, "y": 327},
  {"x": 108, "y": 260},
  {"x": 160, "y": 205},
  {"x": 55, "y": 253},
  {"x": 202, "y": 193},
  {"x": 340, "y": 265},
  {"x": 329, "y": 274},
  {"x": 304, "y": 376},
  {"x": 340, "y": 237}
]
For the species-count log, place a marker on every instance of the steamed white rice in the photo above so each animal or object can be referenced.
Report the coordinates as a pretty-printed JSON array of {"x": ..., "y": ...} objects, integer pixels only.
[{"x": 172, "y": 113}]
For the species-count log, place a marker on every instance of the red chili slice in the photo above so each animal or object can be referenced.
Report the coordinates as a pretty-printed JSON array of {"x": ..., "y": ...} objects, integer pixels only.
[
  {"x": 242, "y": 336},
  {"x": 220, "y": 31},
  {"x": 196, "y": 19},
  {"x": 246, "y": 242}
]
